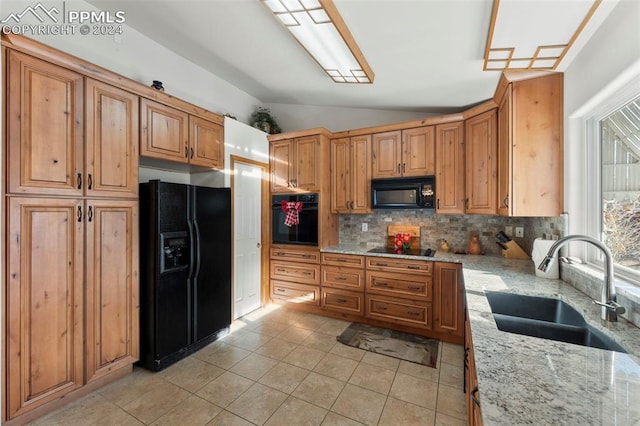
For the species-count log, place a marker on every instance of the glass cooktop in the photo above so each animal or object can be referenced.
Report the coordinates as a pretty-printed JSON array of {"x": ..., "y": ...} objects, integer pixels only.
[{"x": 411, "y": 252}]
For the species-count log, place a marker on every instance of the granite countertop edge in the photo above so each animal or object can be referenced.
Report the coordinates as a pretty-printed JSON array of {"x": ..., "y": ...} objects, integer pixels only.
[{"x": 529, "y": 380}]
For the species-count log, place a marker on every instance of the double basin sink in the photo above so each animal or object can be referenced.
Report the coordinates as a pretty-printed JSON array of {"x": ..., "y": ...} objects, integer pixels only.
[{"x": 546, "y": 318}]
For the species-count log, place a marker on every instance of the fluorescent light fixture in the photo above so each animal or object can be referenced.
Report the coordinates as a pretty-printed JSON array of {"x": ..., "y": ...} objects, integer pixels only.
[
  {"x": 319, "y": 28},
  {"x": 534, "y": 35}
]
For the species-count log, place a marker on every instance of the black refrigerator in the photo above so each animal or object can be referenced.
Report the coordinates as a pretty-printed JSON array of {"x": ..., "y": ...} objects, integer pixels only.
[{"x": 185, "y": 270}]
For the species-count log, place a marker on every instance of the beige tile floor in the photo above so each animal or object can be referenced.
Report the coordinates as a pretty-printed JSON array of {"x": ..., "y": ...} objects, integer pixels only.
[{"x": 280, "y": 367}]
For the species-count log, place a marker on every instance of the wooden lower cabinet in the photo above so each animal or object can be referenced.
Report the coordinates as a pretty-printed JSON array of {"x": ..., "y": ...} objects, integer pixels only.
[
  {"x": 44, "y": 301},
  {"x": 351, "y": 302},
  {"x": 112, "y": 286},
  {"x": 295, "y": 293},
  {"x": 295, "y": 276},
  {"x": 298, "y": 272},
  {"x": 407, "y": 312},
  {"x": 474, "y": 413},
  {"x": 448, "y": 303},
  {"x": 417, "y": 287},
  {"x": 72, "y": 295}
]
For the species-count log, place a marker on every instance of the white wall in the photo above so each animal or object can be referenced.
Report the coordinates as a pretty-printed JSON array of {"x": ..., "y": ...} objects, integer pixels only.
[
  {"x": 297, "y": 117},
  {"x": 603, "y": 66},
  {"x": 138, "y": 57},
  {"x": 244, "y": 141}
]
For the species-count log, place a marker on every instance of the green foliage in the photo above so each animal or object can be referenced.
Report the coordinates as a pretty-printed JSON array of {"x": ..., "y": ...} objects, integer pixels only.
[{"x": 263, "y": 120}]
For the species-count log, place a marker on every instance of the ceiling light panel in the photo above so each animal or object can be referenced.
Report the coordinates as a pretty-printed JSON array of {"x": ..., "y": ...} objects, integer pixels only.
[
  {"x": 319, "y": 28},
  {"x": 534, "y": 34}
]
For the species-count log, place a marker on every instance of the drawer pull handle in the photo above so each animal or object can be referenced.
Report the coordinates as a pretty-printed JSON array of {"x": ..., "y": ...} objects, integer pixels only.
[
  {"x": 306, "y": 256},
  {"x": 307, "y": 273},
  {"x": 382, "y": 308},
  {"x": 280, "y": 290},
  {"x": 415, "y": 314},
  {"x": 381, "y": 264},
  {"x": 381, "y": 284},
  {"x": 415, "y": 287},
  {"x": 341, "y": 300},
  {"x": 474, "y": 397},
  {"x": 279, "y": 270},
  {"x": 341, "y": 278},
  {"x": 279, "y": 253},
  {"x": 413, "y": 267},
  {"x": 340, "y": 260}
]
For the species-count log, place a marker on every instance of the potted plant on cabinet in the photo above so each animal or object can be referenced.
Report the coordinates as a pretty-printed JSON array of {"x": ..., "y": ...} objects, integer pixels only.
[{"x": 263, "y": 120}]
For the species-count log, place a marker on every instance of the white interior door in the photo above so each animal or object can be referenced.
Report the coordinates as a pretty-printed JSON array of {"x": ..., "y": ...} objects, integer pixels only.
[{"x": 247, "y": 196}]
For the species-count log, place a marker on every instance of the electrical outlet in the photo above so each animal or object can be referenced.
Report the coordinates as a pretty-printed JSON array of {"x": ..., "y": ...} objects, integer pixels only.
[
  {"x": 508, "y": 230},
  {"x": 365, "y": 227},
  {"x": 519, "y": 231}
]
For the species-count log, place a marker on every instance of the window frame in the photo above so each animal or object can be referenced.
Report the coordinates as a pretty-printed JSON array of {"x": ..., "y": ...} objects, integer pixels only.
[{"x": 592, "y": 214}]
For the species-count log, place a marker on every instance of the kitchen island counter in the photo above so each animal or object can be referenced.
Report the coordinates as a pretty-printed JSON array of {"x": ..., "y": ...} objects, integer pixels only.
[{"x": 529, "y": 380}]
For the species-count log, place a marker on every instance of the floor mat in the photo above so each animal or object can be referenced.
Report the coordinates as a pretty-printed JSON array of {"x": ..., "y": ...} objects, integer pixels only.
[{"x": 409, "y": 347}]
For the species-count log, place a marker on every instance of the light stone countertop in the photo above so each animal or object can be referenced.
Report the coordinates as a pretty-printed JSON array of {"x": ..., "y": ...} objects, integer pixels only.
[{"x": 529, "y": 380}]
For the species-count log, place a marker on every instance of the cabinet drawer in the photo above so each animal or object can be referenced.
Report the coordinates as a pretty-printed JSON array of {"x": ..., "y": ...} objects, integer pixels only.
[
  {"x": 400, "y": 285},
  {"x": 307, "y": 256},
  {"x": 350, "y": 260},
  {"x": 343, "y": 301},
  {"x": 399, "y": 265},
  {"x": 345, "y": 278},
  {"x": 407, "y": 312},
  {"x": 295, "y": 293},
  {"x": 299, "y": 272}
]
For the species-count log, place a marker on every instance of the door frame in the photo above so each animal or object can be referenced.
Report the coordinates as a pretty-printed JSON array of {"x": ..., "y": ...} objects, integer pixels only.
[{"x": 265, "y": 224}]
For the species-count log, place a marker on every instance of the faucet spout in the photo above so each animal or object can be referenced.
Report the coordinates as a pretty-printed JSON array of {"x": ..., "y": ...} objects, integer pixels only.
[{"x": 608, "y": 303}]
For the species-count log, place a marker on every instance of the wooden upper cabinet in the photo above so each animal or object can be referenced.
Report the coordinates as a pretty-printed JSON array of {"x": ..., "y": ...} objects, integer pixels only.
[
  {"x": 207, "y": 143},
  {"x": 282, "y": 162},
  {"x": 164, "y": 132},
  {"x": 450, "y": 168},
  {"x": 504, "y": 153},
  {"x": 340, "y": 160},
  {"x": 351, "y": 175},
  {"x": 44, "y": 301},
  {"x": 409, "y": 152},
  {"x": 530, "y": 154},
  {"x": 294, "y": 165},
  {"x": 45, "y": 127},
  {"x": 418, "y": 151},
  {"x": 386, "y": 154},
  {"x": 307, "y": 153},
  {"x": 112, "y": 140},
  {"x": 481, "y": 164},
  {"x": 112, "y": 286}
]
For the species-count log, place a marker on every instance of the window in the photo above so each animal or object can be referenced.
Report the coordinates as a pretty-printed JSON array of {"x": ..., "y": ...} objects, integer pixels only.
[
  {"x": 620, "y": 184},
  {"x": 612, "y": 180}
]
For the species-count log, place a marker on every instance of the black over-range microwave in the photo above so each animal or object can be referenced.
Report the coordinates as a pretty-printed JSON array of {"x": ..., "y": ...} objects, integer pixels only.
[{"x": 404, "y": 193}]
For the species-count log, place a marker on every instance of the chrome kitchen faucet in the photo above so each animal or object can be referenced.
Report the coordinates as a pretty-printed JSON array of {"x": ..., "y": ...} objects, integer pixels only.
[{"x": 610, "y": 308}]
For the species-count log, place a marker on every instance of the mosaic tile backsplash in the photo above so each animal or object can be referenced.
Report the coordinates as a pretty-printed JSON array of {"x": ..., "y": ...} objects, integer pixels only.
[{"x": 456, "y": 229}]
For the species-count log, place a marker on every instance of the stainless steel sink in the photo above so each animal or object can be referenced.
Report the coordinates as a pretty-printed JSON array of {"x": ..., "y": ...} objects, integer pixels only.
[{"x": 546, "y": 318}]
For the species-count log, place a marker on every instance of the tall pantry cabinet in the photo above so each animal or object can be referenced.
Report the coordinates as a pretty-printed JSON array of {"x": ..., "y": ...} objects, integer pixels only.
[{"x": 71, "y": 194}]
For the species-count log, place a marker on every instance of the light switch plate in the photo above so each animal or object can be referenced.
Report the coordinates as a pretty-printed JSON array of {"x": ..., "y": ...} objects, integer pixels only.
[
  {"x": 519, "y": 231},
  {"x": 508, "y": 230},
  {"x": 365, "y": 227}
]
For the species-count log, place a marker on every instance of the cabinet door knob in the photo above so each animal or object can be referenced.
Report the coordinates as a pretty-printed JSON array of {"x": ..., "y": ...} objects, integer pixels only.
[
  {"x": 90, "y": 181},
  {"x": 398, "y": 167},
  {"x": 352, "y": 205},
  {"x": 79, "y": 213},
  {"x": 90, "y": 214},
  {"x": 505, "y": 202},
  {"x": 404, "y": 167},
  {"x": 79, "y": 180},
  {"x": 191, "y": 152},
  {"x": 186, "y": 152}
]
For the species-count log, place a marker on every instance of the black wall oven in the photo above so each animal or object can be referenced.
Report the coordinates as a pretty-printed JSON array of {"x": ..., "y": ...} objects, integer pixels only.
[{"x": 285, "y": 230}]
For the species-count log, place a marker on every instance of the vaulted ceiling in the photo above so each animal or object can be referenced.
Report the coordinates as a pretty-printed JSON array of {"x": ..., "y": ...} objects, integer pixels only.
[{"x": 427, "y": 55}]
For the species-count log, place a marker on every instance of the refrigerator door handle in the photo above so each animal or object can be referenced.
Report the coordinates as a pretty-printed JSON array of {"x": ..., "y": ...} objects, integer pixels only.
[{"x": 196, "y": 232}]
